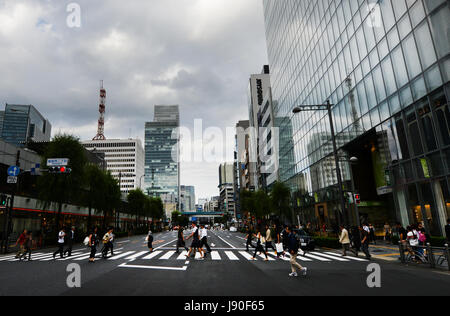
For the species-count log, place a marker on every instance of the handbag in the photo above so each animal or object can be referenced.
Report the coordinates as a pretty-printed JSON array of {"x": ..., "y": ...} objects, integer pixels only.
[{"x": 279, "y": 247}]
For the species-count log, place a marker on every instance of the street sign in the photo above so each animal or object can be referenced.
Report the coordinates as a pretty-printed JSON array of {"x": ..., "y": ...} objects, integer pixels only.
[
  {"x": 57, "y": 162},
  {"x": 13, "y": 171},
  {"x": 11, "y": 179}
]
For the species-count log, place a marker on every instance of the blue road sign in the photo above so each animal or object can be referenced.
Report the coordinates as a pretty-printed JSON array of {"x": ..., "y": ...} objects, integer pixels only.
[{"x": 13, "y": 171}]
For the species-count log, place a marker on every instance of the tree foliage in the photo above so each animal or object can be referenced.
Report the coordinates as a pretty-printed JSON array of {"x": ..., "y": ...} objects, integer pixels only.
[{"x": 280, "y": 197}]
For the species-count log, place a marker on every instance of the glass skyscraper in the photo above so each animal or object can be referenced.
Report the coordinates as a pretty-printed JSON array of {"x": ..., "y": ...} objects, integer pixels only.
[
  {"x": 161, "y": 154},
  {"x": 385, "y": 65},
  {"x": 21, "y": 123}
]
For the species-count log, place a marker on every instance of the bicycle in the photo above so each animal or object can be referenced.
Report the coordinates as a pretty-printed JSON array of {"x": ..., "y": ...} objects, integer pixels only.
[{"x": 415, "y": 256}]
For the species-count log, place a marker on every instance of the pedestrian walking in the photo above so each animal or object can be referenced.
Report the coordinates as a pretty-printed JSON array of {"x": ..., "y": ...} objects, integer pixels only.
[
  {"x": 150, "y": 240},
  {"x": 344, "y": 239},
  {"x": 260, "y": 240},
  {"x": 204, "y": 238},
  {"x": 28, "y": 245},
  {"x": 269, "y": 239},
  {"x": 293, "y": 247},
  {"x": 21, "y": 241},
  {"x": 181, "y": 242},
  {"x": 387, "y": 232},
  {"x": 61, "y": 235},
  {"x": 447, "y": 230},
  {"x": 107, "y": 243},
  {"x": 249, "y": 238},
  {"x": 93, "y": 242},
  {"x": 372, "y": 238},
  {"x": 355, "y": 240},
  {"x": 70, "y": 241},
  {"x": 365, "y": 235},
  {"x": 195, "y": 242}
]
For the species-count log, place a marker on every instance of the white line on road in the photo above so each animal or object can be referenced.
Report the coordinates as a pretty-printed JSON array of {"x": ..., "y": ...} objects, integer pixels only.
[
  {"x": 226, "y": 242},
  {"x": 215, "y": 255},
  {"x": 316, "y": 257},
  {"x": 136, "y": 255},
  {"x": 183, "y": 255},
  {"x": 165, "y": 244},
  {"x": 246, "y": 255},
  {"x": 152, "y": 268},
  {"x": 122, "y": 255},
  {"x": 167, "y": 255},
  {"x": 231, "y": 256},
  {"x": 346, "y": 257},
  {"x": 152, "y": 255},
  {"x": 330, "y": 257}
]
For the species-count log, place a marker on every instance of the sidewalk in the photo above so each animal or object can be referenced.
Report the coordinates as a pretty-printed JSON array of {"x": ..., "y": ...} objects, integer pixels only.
[{"x": 385, "y": 251}]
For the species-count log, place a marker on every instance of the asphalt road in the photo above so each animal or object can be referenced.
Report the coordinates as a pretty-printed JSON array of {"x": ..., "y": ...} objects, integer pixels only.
[{"x": 226, "y": 272}]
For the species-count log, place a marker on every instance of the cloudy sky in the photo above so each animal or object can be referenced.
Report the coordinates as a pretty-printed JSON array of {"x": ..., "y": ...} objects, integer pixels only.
[{"x": 195, "y": 53}]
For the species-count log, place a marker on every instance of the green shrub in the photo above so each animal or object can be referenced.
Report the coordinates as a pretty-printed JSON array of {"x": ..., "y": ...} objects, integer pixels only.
[
  {"x": 328, "y": 242},
  {"x": 437, "y": 241}
]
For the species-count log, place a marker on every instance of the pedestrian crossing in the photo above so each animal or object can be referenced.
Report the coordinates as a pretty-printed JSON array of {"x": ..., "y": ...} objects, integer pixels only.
[{"x": 215, "y": 255}]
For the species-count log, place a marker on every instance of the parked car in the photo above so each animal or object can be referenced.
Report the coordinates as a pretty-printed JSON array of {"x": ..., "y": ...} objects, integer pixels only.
[{"x": 307, "y": 243}]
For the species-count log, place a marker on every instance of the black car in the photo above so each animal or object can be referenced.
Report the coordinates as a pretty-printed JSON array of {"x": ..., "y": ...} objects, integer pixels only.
[{"x": 307, "y": 243}]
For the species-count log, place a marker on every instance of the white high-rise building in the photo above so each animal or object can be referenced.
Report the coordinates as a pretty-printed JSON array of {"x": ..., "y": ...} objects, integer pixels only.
[{"x": 124, "y": 159}]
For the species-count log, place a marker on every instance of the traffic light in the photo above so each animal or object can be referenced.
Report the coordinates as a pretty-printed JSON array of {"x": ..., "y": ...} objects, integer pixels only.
[
  {"x": 357, "y": 199},
  {"x": 59, "y": 170},
  {"x": 3, "y": 199}
]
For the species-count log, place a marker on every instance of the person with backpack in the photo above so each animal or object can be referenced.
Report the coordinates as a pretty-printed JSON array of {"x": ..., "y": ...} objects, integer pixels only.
[
  {"x": 293, "y": 247},
  {"x": 93, "y": 242},
  {"x": 195, "y": 242},
  {"x": 107, "y": 243},
  {"x": 181, "y": 242},
  {"x": 260, "y": 240},
  {"x": 344, "y": 239},
  {"x": 365, "y": 235},
  {"x": 150, "y": 240},
  {"x": 70, "y": 240}
]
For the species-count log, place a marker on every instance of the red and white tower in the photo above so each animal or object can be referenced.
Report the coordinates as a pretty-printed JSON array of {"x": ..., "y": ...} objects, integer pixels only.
[{"x": 101, "y": 121}]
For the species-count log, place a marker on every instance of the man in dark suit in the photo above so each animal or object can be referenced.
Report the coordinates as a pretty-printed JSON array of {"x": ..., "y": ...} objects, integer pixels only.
[{"x": 70, "y": 240}]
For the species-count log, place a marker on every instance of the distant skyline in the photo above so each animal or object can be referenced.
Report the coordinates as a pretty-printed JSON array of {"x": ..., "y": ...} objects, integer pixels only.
[{"x": 199, "y": 55}]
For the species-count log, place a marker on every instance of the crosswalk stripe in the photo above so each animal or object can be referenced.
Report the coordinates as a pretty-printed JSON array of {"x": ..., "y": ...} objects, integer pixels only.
[
  {"x": 331, "y": 257},
  {"x": 33, "y": 256},
  {"x": 87, "y": 257},
  {"x": 215, "y": 255},
  {"x": 231, "y": 255},
  {"x": 122, "y": 255},
  {"x": 183, "y": 255},
  {"x": 6, "y": 258},
  {"x": 347, "y": 257},
  {"x": 317, "y": 257},
  {"x": 299, "y": 257},
  {"x": 136, "y": 255},
  {"x": 268, "y": 257},
  {"x": 246, "y": 255},
  {"x": 281, "y": 257},
  {"x": 197, "y": 255},
  {"x": 152, "y": 255},
  {"x": 167, "y": 255}
]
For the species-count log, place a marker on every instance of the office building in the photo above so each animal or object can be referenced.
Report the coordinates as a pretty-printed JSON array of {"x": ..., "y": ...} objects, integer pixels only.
[
  {"x": 162, "y": 177},
  {"x": 23, "y": 123},
  {"x": 227, "y": 201},
  {"x": 124, "y": 159},
  {"x": 385, "y": 67},
  {"x": 187, "y": 198}
]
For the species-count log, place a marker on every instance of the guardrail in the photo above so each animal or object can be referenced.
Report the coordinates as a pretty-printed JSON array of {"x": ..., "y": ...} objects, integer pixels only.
[{"x": 436, "y": 257}]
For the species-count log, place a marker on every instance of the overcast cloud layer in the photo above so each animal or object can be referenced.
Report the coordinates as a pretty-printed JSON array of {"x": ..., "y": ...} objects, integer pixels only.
[{"x": 195, "y": 53}]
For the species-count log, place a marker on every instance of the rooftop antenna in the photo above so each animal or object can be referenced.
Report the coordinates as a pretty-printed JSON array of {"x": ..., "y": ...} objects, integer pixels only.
[{"x": 101, "y": 121}]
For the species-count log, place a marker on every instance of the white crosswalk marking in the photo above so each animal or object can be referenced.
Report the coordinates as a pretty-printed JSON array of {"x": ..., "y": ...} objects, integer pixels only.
[
  {"x": 197, "y": 255},
  {"x": 152, "y": 255},
  {"x": 281, "y": 257},
  {"x": 317, "y": 257},
  {"x": 330, "y": 257},
  {"x": 136, "y": 255},
  {"x": 264, "y": 257},
  {"x": 215, "y": 255},
  {"x": 351, "y": 258},
  {"x": 183, "y": 255},
  {"x": 122, "y": 255},
  {"x": 167, "y": 255},
  {"x": 231, "y": 256},
  {"x": 246, "y": 255}
]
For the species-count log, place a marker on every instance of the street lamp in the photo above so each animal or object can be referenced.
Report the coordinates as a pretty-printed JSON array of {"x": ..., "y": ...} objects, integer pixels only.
[{"x": 327, "y": 107}]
